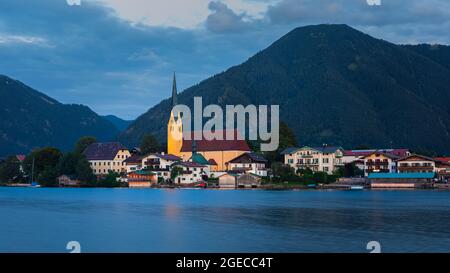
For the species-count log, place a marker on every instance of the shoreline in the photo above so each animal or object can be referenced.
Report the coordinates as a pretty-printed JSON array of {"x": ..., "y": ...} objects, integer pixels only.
[{"x": 263, "y": 188}]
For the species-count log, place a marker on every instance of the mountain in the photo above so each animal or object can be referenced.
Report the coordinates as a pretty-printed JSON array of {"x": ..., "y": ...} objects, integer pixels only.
[
  {"x": 334, "y": 85},
  {"x": 437, "y": 53},
  {"x": 30, "y": 119},
  {"x": 120, "y": 124}
]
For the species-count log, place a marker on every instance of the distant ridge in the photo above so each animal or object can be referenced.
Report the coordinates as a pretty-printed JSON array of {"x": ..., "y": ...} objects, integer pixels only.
[
  {"x": 334, "y": 85},
  {"x": 119, "y": 123},
  {"x": 31, "y": 119}
]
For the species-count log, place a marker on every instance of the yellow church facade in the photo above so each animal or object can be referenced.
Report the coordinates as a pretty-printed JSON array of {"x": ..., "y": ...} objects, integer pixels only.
[{"x": 217, "y": 152}]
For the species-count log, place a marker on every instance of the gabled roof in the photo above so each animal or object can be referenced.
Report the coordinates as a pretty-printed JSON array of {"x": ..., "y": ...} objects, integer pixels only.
[
  {"x": 357, "y": 153},
  {"x": 328, "y": 149},
  {"x": 391, "y": 156},
  {"x": 252, "y": 157},
  {"x": 290, "y": 150},
  {"x": 103, "y": 151},
  {"x": 134, "y": 159},
  {"x": 443, "y": 159},
  {"x": 415, "y": 155},
  {"x": 217, "y": 145},
  {"x": 199, "y": 158},
  {"x": 212, "y": 162},
  {"x": 169, "y": 157}
]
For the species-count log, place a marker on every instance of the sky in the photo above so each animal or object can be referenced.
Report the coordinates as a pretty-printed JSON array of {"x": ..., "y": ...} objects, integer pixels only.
[{"x": 118, "y": 56}]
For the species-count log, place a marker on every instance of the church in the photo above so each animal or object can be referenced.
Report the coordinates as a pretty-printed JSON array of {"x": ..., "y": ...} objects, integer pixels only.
[{"x": 216, "y": 152}]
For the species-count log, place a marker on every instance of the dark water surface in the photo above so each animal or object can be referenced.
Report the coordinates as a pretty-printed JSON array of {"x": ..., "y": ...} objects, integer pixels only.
[{"x": 125, "y": 220}]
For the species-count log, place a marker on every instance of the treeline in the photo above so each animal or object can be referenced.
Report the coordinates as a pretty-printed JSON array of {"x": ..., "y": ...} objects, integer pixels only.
[{"x": 45, "y": 165}]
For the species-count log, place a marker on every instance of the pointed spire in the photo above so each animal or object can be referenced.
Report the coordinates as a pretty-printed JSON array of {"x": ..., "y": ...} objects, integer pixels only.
[{"x": 174, "y": 91}]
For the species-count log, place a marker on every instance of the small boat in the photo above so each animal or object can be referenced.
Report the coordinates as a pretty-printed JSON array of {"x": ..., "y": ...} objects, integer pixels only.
[
  {"x": 357, "y": 188},
  {"x": 35, "y": 185}
]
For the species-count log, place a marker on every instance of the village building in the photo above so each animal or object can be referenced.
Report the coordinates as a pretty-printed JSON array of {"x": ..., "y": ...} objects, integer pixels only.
[
  {"x": 380, "y": 162},
  {"x": 142, "y": 179},
  {"x": 239, "y": 180},
  {"x": 191, "y": 172},
  {"x": 159, "y": 164},
  {"x": 68, "y": 181},
  {"x": 228, "y": 181},
  {"x": 218, "y": 151},
  {"x": 416, "y": 164},
  {"x": 401, "y": 180},
  {"x": 249, "y": 163},
  {"x": 320, "y": 159},
  {"x": 107, "y": 157},
  {"x": 133, "y": 163},
  {"x": 351, "y": 156}
]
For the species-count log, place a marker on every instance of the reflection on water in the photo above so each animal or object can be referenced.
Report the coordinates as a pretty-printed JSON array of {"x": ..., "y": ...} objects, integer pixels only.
[{"x": 123, "y": 220}]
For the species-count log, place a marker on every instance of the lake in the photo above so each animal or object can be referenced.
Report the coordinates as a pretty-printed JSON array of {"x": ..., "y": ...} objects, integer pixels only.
[{"x": 152, "y": 220}]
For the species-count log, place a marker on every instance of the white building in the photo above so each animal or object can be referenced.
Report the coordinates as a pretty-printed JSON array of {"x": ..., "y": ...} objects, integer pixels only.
[
  {"x": 321, "y": 159},
  {"x": 191, "y": 172},
  {"x": 249, "y": 163},
  {"x": 107, "y": 157}
]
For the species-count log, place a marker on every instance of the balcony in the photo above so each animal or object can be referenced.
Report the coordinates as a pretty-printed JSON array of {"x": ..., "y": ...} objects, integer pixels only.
[
  {"x": 418, "y": 169},
  {"x": 377, "y": 163}
]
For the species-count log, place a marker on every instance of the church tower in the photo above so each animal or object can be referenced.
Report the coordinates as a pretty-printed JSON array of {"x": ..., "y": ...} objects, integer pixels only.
[{"x": 175, "y": 125}]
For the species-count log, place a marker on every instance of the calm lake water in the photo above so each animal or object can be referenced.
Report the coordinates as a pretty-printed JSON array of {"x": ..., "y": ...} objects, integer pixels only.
[{"x": 125, "y": 220}]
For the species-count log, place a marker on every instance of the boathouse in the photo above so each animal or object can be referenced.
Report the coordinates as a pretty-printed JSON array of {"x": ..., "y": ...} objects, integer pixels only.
[{"x": 401, "y": 180}]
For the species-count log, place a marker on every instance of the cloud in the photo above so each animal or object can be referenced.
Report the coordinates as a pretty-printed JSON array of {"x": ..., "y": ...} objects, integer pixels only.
[
  {"x": 118, "y": 56},
  {"x": 223, "y": 19},
  {"x": 17, "y": 39}
]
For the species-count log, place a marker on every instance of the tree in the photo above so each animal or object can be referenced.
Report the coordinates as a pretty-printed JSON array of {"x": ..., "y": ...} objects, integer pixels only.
[
  {"x": 68, "y": 163},
  {"x": 110, "y": 181},
  {"x": 84, "y": 172},
  {"x": 176, "y": 171},
  {"x": 149, "y": 144},
  {"x": 48, "y": 177},
  {"x": 10, "y": 170},
  {"x": 83, "y": 143},
  {"x": 45, "y": 159}
]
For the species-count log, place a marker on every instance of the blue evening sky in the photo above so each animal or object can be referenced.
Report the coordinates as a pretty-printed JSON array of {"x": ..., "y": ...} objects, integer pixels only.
[{"x": 118, "y": 56}]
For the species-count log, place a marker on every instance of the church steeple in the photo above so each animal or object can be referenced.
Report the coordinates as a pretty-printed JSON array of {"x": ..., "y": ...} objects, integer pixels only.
[{"x": 174, "y": 91}]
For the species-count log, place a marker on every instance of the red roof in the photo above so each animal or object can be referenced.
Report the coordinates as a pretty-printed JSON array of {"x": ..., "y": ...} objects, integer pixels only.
[
  {"x": 21, "y": 158},
  {"x": 443, "y": 159},
  {"x": 217, "y": 145}
]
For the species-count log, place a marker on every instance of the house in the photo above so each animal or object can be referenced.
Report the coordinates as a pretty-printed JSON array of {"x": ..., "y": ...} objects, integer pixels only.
[
  {"x": 160, "y": 164},
  {"x": 221, "y": 151},
  {"x": 239, "y": 180},
  {"x": 248, "y": 180},
  {"x": 68, "y": 181},
  {"x": 133, "y": 163},
  {"x": 416, "y": 164},
  {"x": 380, "y": 162},
  {"x": 320, "y": 159},
  {"x": 142, "y": 179},
  {"x": 191, "y": 172},
  {"x": 443, "y": 168},
  {"x": 401, "y": 180},
  {"x": 249, "y": 163},
  {"x": 351, "y": 156},
  {"x": 107, "y": 157},
  {"x": 228, "y": 181}
]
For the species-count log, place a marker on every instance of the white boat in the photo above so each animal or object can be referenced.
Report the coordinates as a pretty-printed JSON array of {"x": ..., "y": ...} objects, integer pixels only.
[{"x": 355, "y": 188}]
